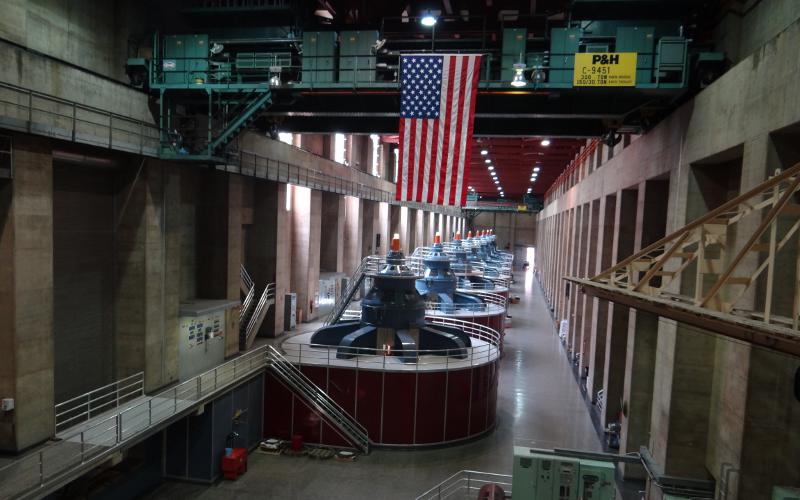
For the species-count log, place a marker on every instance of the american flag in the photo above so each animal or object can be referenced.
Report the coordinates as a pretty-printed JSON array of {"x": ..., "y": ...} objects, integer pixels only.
[{"x": 437, "y": 107}]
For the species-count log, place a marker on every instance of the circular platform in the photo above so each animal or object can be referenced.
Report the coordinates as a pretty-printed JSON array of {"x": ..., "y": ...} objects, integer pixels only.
[{"x": 437, "y": 400}]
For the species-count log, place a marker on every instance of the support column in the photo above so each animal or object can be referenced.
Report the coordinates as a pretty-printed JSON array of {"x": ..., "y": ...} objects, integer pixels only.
[
  {"x": 384, "y": 228},
  {"x": 332, "y": 229},
  {"x": 147, "y": 257},
  {"x": 353, "y": 214},
  {"x": 269, "y": 250},
  {"x": 618, "y": 315},
  {"x": 26, "y": 296},
  {"x": 651, "y": 217},
  {"x": 599, "y": 323},
  {"x": 306, "y": 223},
  {"x": 588, "y": 303}
]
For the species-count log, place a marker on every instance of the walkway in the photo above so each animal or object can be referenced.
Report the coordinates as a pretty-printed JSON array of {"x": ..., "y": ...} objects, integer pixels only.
[{"x": 539, "y": 404}]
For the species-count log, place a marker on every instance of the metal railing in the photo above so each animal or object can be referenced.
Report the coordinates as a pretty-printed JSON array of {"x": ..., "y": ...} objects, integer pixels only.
[
  {"x": 98, "y": 401},
  {"x": 54, "y": 465},
  {"x": 247, "y": 281},
  {"x": 34, "y": 112},
  {"x": 377, "y": 359},
  {"x": 267, "y": 299},
  {"x": 465, "y": 485},
  {"x": 319, "y": 399}
]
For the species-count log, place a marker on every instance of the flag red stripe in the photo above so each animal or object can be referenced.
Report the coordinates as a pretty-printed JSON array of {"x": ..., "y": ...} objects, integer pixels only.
[
  {"x": 434, "y": 165},
  {"x": 468, "y": 154},
  {"x": 423, "y": 148},
  {"x": 410, "y": 167},
  {"x": 459, "y": 131},
  {"x": 446, "y": 111}
]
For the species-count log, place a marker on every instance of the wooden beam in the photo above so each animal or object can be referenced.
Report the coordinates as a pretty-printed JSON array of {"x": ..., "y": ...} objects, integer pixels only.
[{"x": 758, "y": 333}]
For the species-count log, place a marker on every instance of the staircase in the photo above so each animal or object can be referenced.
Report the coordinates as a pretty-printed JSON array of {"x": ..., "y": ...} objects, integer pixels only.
[
  {"x": 347, "y": 294},
  {"x": 243, "y": 115},
  {"x": 334, "y": 414},
  {"x": 253, "y": 312}
]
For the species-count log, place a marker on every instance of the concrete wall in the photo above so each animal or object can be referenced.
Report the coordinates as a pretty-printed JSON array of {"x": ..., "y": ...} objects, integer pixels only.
[
  {"x": 706, "y": 407},
  {"x": 91, "y": 34}
]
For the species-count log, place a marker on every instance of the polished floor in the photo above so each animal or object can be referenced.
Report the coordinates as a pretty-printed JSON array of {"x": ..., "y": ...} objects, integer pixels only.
[{"x": 539, "y": 404}]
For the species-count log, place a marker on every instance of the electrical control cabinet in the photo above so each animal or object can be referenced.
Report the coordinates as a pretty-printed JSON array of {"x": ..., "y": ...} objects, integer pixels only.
[
  {"x": 544, "y": 477},
  {"x": 357, "y": 56},
  {"x": 290, "y": 312},
  {"x": 514, "y": 40},
  {"x": 564, "y": 44},
  {"x": 785, "y": 493},
  {"x": 540, "y": 476},
  {"x": 596, "y": 480},
  {"x": 319, "y": 56},
  {"x": 185, "y": 59},
  {"x": 639, "y": 39},
  {"x": 201, "y": 345}
]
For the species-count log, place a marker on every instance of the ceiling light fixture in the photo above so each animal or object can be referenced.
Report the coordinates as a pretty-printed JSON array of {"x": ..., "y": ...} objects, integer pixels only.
[
  {"x": 545, "y": 142},
  {"x": 428, "y": 19},
  {"x": 487, "y": 160},
  {"x": 536, "y": 169},
  {"x": 484, "y": 152},
  {"x": 519, "y": 76},
  {"x": 496, "y": 181},
  {"x": 491, "y": 167}
]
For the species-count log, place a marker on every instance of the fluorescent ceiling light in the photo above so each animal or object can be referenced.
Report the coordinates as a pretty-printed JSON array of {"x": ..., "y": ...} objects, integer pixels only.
[
  {"x": 545, "y": 142},
  {"x": 491, "y": 167},
  {"x": 484, "y": 152},
  {"x": 535, "y": 169},
  {"x": 487, "y": 160}
]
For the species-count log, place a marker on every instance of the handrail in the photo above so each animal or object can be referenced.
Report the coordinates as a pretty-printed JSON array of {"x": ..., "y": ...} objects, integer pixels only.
[
  {"x": 78, "y": 122},
  {"x": 291, "y": 375},
  {"x": 54, "y": 465},
  {"x": 428, "y": 359},
  {"x": 259, "y": 312},
  {"x": 80, "y": 408},
  {"x": 467, "y": 484},
  {"x": 246, "y": 278}
]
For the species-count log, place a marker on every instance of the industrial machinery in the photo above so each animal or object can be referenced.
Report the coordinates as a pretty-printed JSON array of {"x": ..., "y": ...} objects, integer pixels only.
[
  {"x": 439, "y": 284},
  {"x": 785, "y": 493},
  {"x": 546, "y": 476},
  {"x": 393, "y": 319}
]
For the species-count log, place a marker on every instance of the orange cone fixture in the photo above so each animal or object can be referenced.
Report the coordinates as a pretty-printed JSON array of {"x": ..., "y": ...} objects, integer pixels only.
[
  {"x": 437, "y": 239},
  {"x": 458, "y": 236},
  {"x": 396, "y": 243}
]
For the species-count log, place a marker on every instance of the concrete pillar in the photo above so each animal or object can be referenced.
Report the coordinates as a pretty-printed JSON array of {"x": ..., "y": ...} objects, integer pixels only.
[
  {"x": 147, "y": 292},
  {"x": 26, "y": 296},
  {"x": 576, "y": 297},
  {"x": 269, "y": 252},
  {"x": 384, "y": 228},
  {"x": 305, "y": 234},
  {"x": 599, "y": 322},
  {"x": 353, "y": 214},
  {"x": 219, "y": 239},
  {"x": 368, "y": 223},
  {"x": 651, "y": 217},
  {"x": 588, "y": 303},
  {"x": 332, "y": 229},
  {"x": 618, "y": 315},
  {"x": 419, "y": 226}
]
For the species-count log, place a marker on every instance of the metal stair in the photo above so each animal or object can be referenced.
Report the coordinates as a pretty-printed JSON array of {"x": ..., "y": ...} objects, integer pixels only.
[
  {"x": 348, "y": 294},
  {"x": 244, "y": 117},
  {"x": 248, "y": 331},
  {"x": 253, "y": 312},
  {"x": 334, "y": 414}
]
